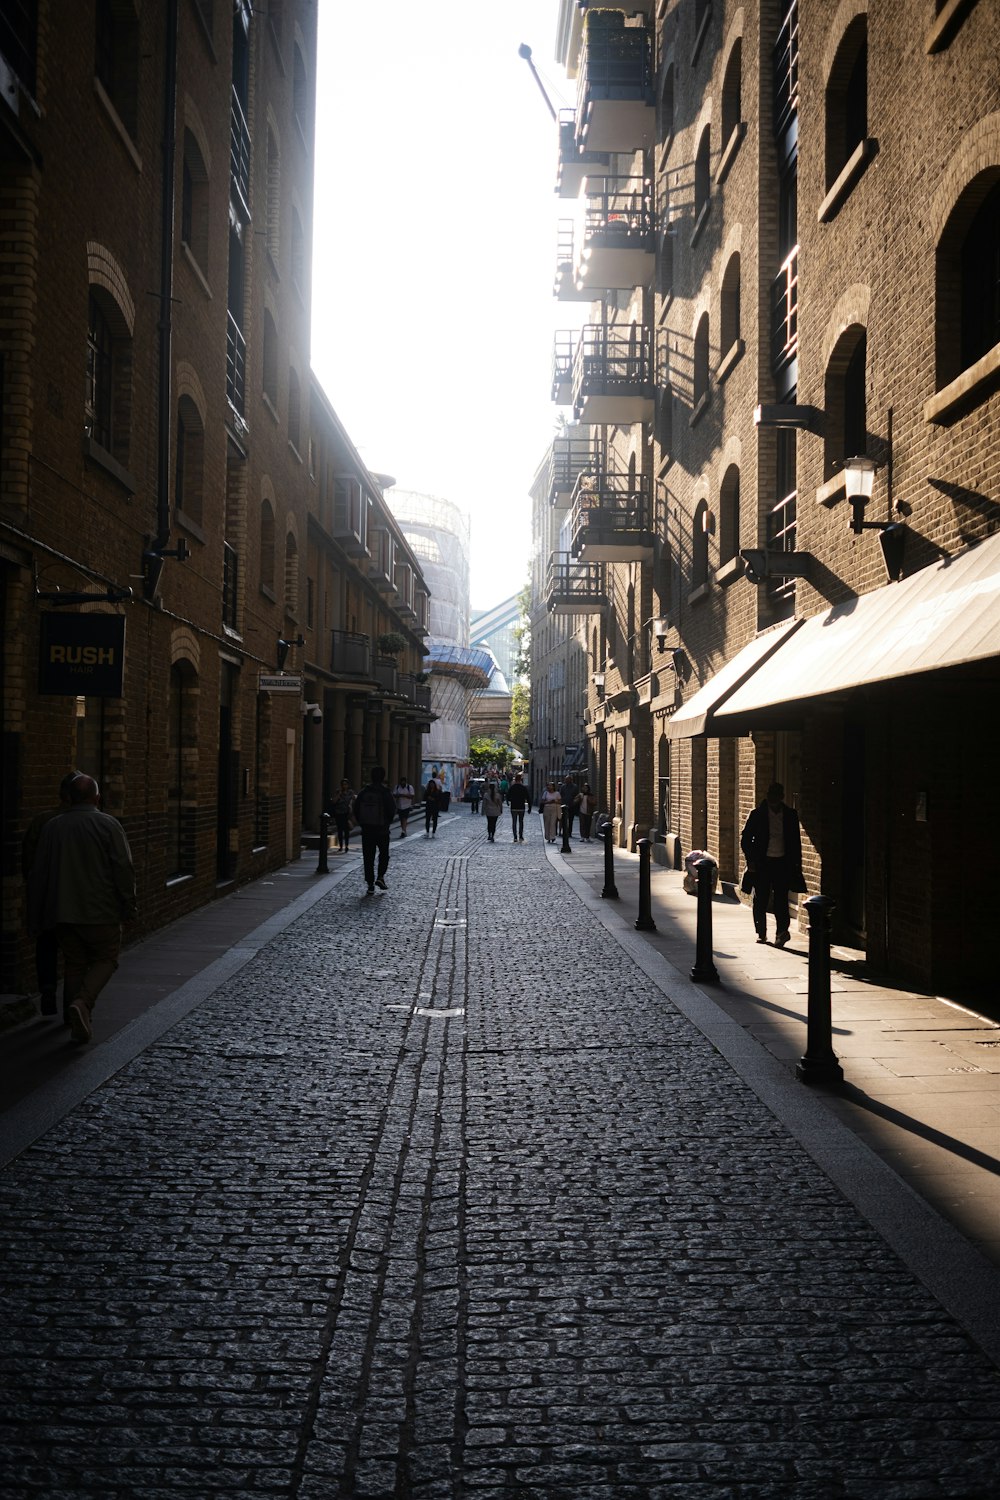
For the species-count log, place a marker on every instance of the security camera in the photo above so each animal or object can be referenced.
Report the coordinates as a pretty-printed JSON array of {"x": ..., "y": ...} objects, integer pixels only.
[{"x": 314, "y": 711}]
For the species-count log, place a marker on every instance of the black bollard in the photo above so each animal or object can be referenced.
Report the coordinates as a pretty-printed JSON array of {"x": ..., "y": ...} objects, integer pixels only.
[
  {"x": 610, "y": 891},
  {"x": 704, "y": 964},
  {"x": 645, "y": 921},
  {"x": 819, "y": 1061},
  {"x": 323, "y": 868},
  {"x": 565, "y": 831}
]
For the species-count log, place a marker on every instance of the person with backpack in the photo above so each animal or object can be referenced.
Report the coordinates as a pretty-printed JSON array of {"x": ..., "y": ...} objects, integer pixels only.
[
  {"x": 432, "y": 806},
  {"x": 374, "y": 810}
]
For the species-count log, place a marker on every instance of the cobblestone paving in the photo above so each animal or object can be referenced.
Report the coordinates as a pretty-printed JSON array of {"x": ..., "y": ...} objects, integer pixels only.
[{"x": 442, "y": 1198}]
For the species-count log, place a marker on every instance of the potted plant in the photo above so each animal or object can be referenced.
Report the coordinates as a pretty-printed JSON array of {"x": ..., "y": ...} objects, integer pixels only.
[{"x": 391, "y": 643}]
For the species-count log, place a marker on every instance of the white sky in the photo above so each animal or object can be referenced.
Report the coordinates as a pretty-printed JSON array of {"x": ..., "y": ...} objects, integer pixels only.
[{"x": 434, "y": 254}]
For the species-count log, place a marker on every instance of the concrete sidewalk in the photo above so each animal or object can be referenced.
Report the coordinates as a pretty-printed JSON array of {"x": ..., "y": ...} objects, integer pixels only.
[{"x": 921, "y": 1072}]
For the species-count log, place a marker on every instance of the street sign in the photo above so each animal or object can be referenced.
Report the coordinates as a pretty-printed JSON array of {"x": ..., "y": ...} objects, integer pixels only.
[{"x": 278, "y": 683}]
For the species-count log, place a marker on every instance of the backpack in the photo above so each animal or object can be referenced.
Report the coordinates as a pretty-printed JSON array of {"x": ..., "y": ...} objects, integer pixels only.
[{"x": 368, "y": 808}]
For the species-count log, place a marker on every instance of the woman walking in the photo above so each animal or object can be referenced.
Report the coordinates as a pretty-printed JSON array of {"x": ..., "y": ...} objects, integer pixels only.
[
  {"x": 551, "y": 805},
  {"x": 492, "y": 808},
  {"x": 341, "y": 807},
  {"x": 588, "y": 806}
]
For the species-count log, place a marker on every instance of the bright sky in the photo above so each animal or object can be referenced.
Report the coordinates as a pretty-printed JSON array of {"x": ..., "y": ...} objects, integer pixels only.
[{"x": 434, "y": 254}]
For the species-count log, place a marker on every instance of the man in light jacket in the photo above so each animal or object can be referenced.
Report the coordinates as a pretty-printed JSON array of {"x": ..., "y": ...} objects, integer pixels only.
[{"x": 82, "y": 883}]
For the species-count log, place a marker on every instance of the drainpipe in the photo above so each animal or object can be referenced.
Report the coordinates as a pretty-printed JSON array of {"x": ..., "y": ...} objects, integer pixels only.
[{"x": 155, "y": 546}]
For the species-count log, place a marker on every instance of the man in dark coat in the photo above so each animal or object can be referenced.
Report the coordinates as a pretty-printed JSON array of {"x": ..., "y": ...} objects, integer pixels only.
[
  {"x": 374, "y": 810},
  {"x": 772, "y": 843}
]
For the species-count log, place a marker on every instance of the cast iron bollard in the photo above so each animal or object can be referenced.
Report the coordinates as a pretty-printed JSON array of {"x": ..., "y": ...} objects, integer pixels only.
[
  {"x": 610, "y": 891},
  {"x": 645, "y": 921},
  {"x": 565, "y": 831},
  {"x": 323, "y": 868},
  {"x": 704, "y": 965},
  {"x": 819, "y": 1061}
]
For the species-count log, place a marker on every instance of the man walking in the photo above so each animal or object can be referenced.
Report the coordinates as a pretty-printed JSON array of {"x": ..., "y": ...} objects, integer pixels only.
[
  {"x": 47, "y": 942},
  {"x": 519, "y": 799},
  {"x": 432, "y": 806},
  {"x": 82, "y": 883},
  {"x": 374, "y": 810},
  {"x": 404, "y": 795},
  {"x": 772, "y": 843}
]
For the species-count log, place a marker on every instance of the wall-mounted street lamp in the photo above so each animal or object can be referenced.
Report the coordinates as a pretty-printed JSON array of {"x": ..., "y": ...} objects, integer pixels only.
[
  {"x": 281, "y": 655},
  {"x": 598, "y": 680},
  {"x": 859, "y": 481},
  {"x": 660, "y": 628}
]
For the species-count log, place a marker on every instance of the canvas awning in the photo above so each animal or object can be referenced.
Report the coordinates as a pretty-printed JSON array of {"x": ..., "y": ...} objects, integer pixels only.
[
  {"x": 946, "y": 615},
  {"x": 696, "y": 716}
]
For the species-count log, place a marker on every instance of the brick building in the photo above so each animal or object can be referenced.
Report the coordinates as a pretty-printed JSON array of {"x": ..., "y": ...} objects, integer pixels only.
[
  {"x": 196, "y": 569},
  {"x": 785, "y": 218}
]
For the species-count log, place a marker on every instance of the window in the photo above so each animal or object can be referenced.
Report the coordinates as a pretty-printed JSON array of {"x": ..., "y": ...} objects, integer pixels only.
[
  {"x": 729, "y": 515},
  {"x": 732, "y": 95},
  {"x": 846, "y": 430},
  {"x": 108, "y": 392},
  {"x": 273, "y": 227},
  {"x": 291, "y": 577},
  {"x": 729, "y": 307},
  {"x": 967, "y": 279},
  {"x": 294, "y": 411},
  {"x": 700, "y": 389},
  {"x": 267, "y": 546},
  {"x": 182, "y": 727},
  {"x": 194, "y": 201},
  {"x": 19, "y": 40},
  {"x": 270, "y": 362},
  {"x": 190, "y": 461},
  {"x": 298, "y": 256},
  {"x": 116, "y": 58},
  {"x": 699, "y": 546},
  {"x": 702, "y": 178},
  {"x": 236, "y": 348},
  {"x": 847, "y": 99},
  {"x": 300, "y": 94}
]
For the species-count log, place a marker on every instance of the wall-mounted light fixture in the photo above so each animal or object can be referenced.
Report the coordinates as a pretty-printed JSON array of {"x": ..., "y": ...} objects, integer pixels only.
[
  {"x": 859, "y": 481},
  {"x": 598, "y": 680},
  {"x": 760, "y": 564},
  {"x": 660, "y": 628},
  {"x": 281, "y": 655},
  {"x": 153, "y": 554}
]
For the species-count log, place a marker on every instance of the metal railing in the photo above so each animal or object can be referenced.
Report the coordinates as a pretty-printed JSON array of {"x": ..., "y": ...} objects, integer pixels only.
[
  {"x": 568, "y": 459},
  {"x": 236, "y": 365},
  {"x": 608, "y": 360},
  {"x": 785, "y": 311},
  {"x": 230, "y": 585},
  {"x": 620, "y": 208},
  {"x": 786, "y": 70},
  {"x": 616, "y": 63},
  {"x": 239, "y": 152},
  {"x": 350, "y": 653},
  {"x": 569, "y": 582},
  {"x": 781, "y": 529}
]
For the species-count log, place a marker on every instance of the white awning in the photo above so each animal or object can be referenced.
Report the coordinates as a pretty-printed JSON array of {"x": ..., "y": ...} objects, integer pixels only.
[
  {"x": 695, "y": 717},
  {"x": 946, "y": 615}
]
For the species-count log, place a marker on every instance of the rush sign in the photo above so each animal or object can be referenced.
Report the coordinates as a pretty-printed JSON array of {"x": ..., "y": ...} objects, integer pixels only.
[{"x": 82, "y": 656}]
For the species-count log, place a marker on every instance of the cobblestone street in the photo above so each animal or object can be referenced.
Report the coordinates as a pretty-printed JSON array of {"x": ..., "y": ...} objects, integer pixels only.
[{"x": 442, "y": 1195}]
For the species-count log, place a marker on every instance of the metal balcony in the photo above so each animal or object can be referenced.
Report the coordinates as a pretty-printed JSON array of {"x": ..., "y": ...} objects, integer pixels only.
[
  {"x": 350, "y": 654},
  {"x": 350, "y": 514},
  {"x": 239, "y": 156},
  {"x": 615, "y": 100},
  {"x": 574, "y": 164},
  {"x": 785, "y": 312},
  {"x": 616, "y": 244},
  {"x": 569, "y": 457},
  {"x": 574, "y": 588},
  {"x": 387, "y": 674},
  {"x": 612, "y": 519},
  {"x": 613, "y": 375},
  {"x": 236, "y": 365},
  {"x": 565, "y": 288},
  {"x": 563, "y": 350},
  {"x": 381, "y": 568}
]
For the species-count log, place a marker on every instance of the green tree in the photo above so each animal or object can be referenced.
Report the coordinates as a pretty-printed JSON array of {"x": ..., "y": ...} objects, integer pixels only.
[
  {"x": 520, "y": 715},
  {"x": 488, "y": 750}
]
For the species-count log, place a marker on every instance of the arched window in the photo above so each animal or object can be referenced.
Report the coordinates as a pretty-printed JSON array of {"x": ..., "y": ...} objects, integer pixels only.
[
  {"x": 270, "y": 362},
  {"x": 194, "y": 201},
  {"x": 846, "y": 427},
  {"x": 108, "y": 390},
  {"x": 847, "y": 99},
  {"x": 702, "y": 176},
  {"x": 700, "y": 389},
  {"x": 980, "y": 281},
  {"x": 729, "y": 515},
  {"x": 116, "y": 58},
  {"x": 182, "y": 767},
  {"x": 189, "y": 469},
  {"x": 732, "y": 94},
  {"x": 267, "y": 546},
  {"x": 273, "y": 223},
  {"x": 300, "y": 93},
  {"x": 729, "y": 307},
  {"x": 699, "y": 546}
]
